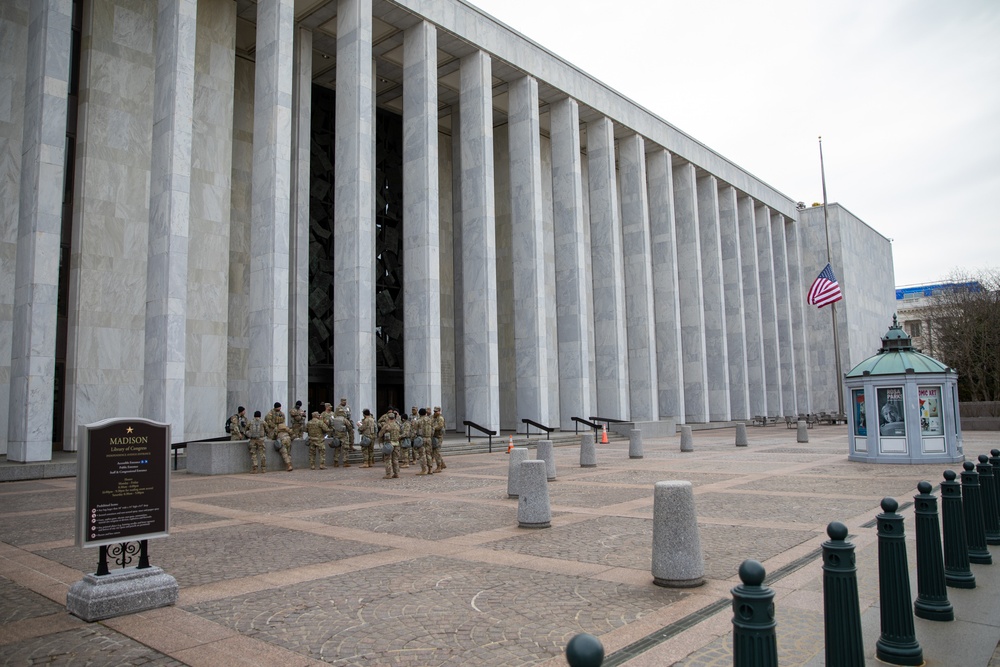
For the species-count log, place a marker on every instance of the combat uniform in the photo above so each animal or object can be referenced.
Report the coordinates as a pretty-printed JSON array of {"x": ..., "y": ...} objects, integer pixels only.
[
  {"x": 367, "y": 428},
  {"x": 344, "y": 410},
  {"x": 297, "y": 422},
  {"x": 437, "y": 421},
  {"x": 405, "y": 441},
  {"x": 316, "y": 428},
  {"x": 256, "y": 433},
  {"x": 274, "y": 418},
  {"x": 342, "y": 448},
  {"x": 425, "y": 429},
  {"x": 238, "y": 427},
  {"x": 284, "y": 438},
  {"x": 390, "y": 434}
]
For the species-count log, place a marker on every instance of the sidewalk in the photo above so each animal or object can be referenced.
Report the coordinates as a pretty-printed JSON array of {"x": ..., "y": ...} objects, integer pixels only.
[{"x": 342, "y": 567}]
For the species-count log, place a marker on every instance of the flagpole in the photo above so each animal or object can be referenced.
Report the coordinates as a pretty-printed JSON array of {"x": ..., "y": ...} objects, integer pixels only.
[{"x": 833, "y": 306}]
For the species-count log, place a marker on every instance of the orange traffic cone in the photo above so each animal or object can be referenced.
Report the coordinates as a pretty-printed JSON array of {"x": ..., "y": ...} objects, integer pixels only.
[
  {"x": 510, "y": 445},
  {"x": 604, "y": 435}
]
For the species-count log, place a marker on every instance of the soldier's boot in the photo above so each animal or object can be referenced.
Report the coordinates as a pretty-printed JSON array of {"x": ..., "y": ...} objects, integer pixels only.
[
  {"x": 396, "y": 476},
  {"x": 443, "y": 466},
  {"x": 253, "y": 470},
  {"x": 346, "y": 464},
  {"x": 336, "y": 464},
  {"x": 289, "y": 468},
  {"x": 387, "y": 476},
  {"x": 423, "y": 471}
]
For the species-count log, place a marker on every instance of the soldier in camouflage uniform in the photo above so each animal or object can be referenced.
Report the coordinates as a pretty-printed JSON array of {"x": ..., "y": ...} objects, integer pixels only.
[
  {"x": 273, "y": 418},
  {"x": 438, "y": 438},
  {"x": 316, "y": 428},
  {"x": 389, "y": 433},
  {"x": 339, "y": 441},
  {"x": 255, "y": 433},
  {"x": 284, "y": 438},
  {"x": 366, "y": 427},
  {"x": 238, "y": 424},
  {"x": 414, "y": 416},
  {"x": 297, "y": 419},
  {"x": 405, "y": 441},
  {"x": 344, "y": 410},
  {"x": 424, "y": 429}
]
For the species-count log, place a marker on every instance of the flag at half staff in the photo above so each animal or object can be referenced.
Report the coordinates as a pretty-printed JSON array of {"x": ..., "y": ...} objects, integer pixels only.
[{"x": 825, "y": 289}]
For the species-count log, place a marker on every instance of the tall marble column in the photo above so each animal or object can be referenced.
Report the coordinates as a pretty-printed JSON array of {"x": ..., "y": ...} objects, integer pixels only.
[
  {"x": 422, "y": 288},
  {"x": 267, "y": 366},
  {"x": 298, "y": 240},
  {"x": 458, "y": 293},
  {"x": 354, "y": 208},
  {"x": 717, "y": 355},
  {"x": 797, "y": 302},
  {"x": 732, "y": 282},
  {"x": 609, "y": 282},
  {"x": 692, "y": 304},
  {"x": 753, "y": 337},
  {"x": 638, "y": 267},
  {"x": 569, "y": 221},
  {"x": 531, "y": 342},
  {"x": 36, "y": 277},
  {"x": 479, "y": 271},
  {"x": 169, "y": 210},
  {"x": 768, "y": 312},
  {"x": 783, "y": 314},
  {"x": 669, "y": 361}
]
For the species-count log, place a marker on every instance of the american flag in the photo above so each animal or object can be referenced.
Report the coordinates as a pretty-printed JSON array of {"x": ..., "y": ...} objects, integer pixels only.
[{"x": 825, "y": 289}]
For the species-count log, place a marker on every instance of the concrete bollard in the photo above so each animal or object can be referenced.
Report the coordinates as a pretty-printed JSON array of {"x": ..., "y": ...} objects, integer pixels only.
[
  {"x": 841, "y": 608},
  {"x": 687, "y": 443},
  {"x": 991, "y": 524},
  {"x": 543, "y": 452},
  {"x": 897, "y": 644},
  {"x": 635, "y": 444},
  {"x": 588, "y": 452},
  {"x": 741, "y": 434},
  {"x": 533, "y": 509},
  {"x": 932, "y": 593},
  {"x": 518, "y": 455},
  {"x": 957, "y": 573},
  {"x": 801, "y": 432},
  {"x": 677, "y": 557},
  {"x": 584, "y": 650},
  {"x": 972, "y": 510},
  {"x": 754, "y": 641}
]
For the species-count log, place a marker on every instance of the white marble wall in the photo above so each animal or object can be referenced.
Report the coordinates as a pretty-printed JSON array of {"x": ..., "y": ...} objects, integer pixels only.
[
  {"x": 506, "y": 318},
  {"x": 782, "y": 304},
  {"x": 14, "y": 37},
  {"x": 458, "y": 345},
  {"x": 169, "y": 210},
  {"x": 549, "y": 263},
  {"x": 447, "y": 274},
  {"x": 638, "y": 268},
  {"x": 421, "y": 253},
  {"x": 531, "y": 341},
  {"x": 591, "y": 339},
  {"x": 211, "y": 197},
  {"x": 36, "y": 277},
  {"x": 104, "y": 376},
  {"x": 797, "y": 303},
  {"x": 610, "y": 354},
  {"x": 354, "y": 215},
  {"x": 752, "y": 326},
  {"x": 717, "y": 356},
  {"x": 768, "y": 314},
  {"x": 692, "y": 303},
  {"x": 732, "y": 281},
  {"x": 479, "y": 253},
  {"x": 298, "y": 240},
  {"x": 669, "y": 360},
  {"x": 571, "y": 261}
]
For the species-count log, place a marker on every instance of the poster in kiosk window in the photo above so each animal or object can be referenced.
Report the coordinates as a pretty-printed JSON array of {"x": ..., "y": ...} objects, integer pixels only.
[
  {"x": 123, "y": 485},
  {"x": 890, "y": 411}
]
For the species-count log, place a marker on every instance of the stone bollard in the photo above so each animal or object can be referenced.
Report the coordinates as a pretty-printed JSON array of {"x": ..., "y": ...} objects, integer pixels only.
[
  {"x": 543, "y": 452},
  {"x": 677, "y": 558},
  {"x": 754, "y": 640},
  {"x": 841, "y": 608},
  {"x": 957, "y": 573},
  {"x": 584, "y": 650},
  {"x": 991, "y": 523},
  {"x": 932, "y": 593},
  {"x": 897, "y": 644},
  {"x": 741, "y": 434},
  {"x": 588, "y": 452},
  {"x": 687, "y": 444},
  {"x": 518, "y": 455},
  {"x": 801, "y": 431},
  {"x": 972, "y": 510},
  {"x": 533, "y": 509},
  {"x": 635, "y": 444}
]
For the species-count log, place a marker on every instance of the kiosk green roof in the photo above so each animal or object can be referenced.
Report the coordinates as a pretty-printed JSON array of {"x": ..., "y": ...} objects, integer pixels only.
[{"x": 897, "y": 357}]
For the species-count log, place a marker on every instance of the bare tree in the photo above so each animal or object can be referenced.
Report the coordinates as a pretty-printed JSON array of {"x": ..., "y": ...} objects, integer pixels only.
[{"x": 965, "y": 324}]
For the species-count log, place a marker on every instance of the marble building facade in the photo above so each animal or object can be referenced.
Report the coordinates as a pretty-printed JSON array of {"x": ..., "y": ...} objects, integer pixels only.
[{"x": 209, "y": 203}]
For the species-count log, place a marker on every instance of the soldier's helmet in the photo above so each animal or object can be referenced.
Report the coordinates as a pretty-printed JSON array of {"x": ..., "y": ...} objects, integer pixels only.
[{"x": 315, "y": 415}]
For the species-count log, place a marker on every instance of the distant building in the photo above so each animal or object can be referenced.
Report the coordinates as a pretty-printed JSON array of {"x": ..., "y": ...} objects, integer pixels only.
[{"x": 914, "y": 307}]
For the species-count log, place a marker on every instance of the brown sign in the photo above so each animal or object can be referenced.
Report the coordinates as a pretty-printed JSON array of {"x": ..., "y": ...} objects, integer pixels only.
[{"x": 123, "y": 485}]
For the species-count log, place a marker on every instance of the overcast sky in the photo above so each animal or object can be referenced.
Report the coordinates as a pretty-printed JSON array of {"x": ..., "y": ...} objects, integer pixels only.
[{"x": 906, "y": 94}]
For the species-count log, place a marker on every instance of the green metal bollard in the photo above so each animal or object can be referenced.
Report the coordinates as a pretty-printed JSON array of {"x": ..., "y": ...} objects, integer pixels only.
[
  {"x": 898, "y": 643},
  {"x": 995, "y": 462},
  {"x": 991, "y": 523},
  {"x": 754, "y": 640},
  {"x": 972, "y": 510},
  {"x": 932, "y": 593},
  {"x": 841, "y": 609},
  {"x": 584, "y": 650},
  {"x": 957, "y": 573}
]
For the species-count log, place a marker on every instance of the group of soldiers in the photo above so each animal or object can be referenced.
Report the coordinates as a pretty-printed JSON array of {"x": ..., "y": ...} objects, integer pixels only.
[{"x": 403, "y": 440}]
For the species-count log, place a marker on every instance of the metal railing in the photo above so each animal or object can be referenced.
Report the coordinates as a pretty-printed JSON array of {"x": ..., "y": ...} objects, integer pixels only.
[
  {"x": 473, "y": 425},
  {"x": 581, "y": 420},
  {"x": 540, "y": 427}
]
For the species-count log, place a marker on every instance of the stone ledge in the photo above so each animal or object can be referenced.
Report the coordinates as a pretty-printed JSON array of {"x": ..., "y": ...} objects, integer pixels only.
[{"x": 126, "y": 591}]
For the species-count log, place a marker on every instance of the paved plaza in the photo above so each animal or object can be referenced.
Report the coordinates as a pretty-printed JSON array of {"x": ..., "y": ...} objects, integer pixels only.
[{"x": 343, "y": 567}]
